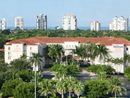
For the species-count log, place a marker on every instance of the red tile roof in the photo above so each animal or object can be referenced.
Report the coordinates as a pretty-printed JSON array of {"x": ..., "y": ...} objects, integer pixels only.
[
  {"x": 1, "y": 50},
  {"x": 101, "y": 40}
]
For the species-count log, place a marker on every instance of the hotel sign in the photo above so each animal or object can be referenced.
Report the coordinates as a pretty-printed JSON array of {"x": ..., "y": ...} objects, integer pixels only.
[{"x": 118, "y": 46}]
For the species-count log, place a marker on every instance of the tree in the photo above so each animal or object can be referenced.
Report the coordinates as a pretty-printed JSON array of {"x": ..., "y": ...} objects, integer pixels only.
[
  {"x": 117, "y": 90},
  {"x": 102, "y": 52},
  {"x": 115, "y": 87},
  {"x": 81, "y": 51},
  {"x": 36, "y": 59},
  {"x": 78, "y": 88},
  {"x": 61, "y": 87},
  {"x": 127, "y": 73},
  {"x": 46, "y": 87},
  {"x": 56, "y": 52},
  {"x": 70, "y": 84},
  {"x": 62, "y": 70},
  {"x": 24, "y": 90},
  {"x": 9, "y": 86},
  {"x": 96, "y": 88},
  {"x": 20, "y": 64},
  {"x": 25, "y": 75}
]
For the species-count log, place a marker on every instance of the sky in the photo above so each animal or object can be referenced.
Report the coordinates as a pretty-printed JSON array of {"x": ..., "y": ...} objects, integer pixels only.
[{"x": 85, "y": 10}]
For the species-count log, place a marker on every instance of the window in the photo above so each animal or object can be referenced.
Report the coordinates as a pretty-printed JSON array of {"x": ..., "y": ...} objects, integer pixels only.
[
  {"x": 8, "y": 48},
  {"x": 9, "y": 55}
]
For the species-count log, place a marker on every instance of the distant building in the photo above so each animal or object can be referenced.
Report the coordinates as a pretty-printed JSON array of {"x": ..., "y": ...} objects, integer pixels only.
[
  {"x": 119, "y": 24},
  {"x": 69, "y": 22},
  {"x": 19, "y": 23},
  {"x": 3, "y": 24},
  {"x": 41, "y": 22},
  {"x": 95, "y": 26}
]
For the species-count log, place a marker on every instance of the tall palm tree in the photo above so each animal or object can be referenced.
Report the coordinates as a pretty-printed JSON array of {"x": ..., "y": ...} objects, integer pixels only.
[
  {"x": 55, "y": 52},
  {"x": 46, "y": 87},
  {"x": 36, "y": 59},
  {"x": 78, "y": 88},
  {"x": 61, "y": 87}
]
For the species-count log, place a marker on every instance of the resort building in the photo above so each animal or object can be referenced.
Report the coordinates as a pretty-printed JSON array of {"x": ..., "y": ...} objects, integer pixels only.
[
  {"x": 117, "y": 47},
  {"x": 3, "y": 24},
  {"x": 69, "y": 22},
  {"x": 95, "y": 26},
  {"x": 41, "y": 22},
  {"x": 119, "y": 24},
  {"x": 19, "y": 23}
]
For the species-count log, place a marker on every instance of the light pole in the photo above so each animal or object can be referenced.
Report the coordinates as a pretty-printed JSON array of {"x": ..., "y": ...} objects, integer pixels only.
[{"x": 35, "y": 83}]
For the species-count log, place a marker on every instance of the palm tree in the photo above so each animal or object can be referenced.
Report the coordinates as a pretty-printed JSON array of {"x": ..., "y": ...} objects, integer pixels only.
[
  {"x": 61, "y": 87},
  {"x": 91, "y": 51},
  {"x": 78, "y": 88},
  {"x": 70, "y": 82},
  {"x": 102, "y": 52},
  {"x": 81, "y": 51},
  {"x": 118, "y": 90},
  {"x": 115, "y": 87},
  {"x": 46, "y": 87},
  {"x": 56, "y": 52},
  {"x": 36, "y": 59}
]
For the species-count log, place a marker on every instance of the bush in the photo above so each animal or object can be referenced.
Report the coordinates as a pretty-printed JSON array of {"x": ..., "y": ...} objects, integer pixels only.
[
  {"x": 101, "y": 68},
  {"x": 127, "y": 73},
  {"x": 96, "y": 89},
  {"x": 9, "y": 86},
  {"x": 24, "y": 90}
]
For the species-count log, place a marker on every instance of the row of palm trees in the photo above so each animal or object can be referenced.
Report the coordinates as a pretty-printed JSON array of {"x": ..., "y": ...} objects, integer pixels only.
[
  {"x": 70, "y": 85},
  {"x": 61, "y": 86},
  {"x": 88, "y": 51}
]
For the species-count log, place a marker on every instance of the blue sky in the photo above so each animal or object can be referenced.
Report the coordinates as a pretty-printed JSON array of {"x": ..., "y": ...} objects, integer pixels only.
[{"x": 85, "y": 10}]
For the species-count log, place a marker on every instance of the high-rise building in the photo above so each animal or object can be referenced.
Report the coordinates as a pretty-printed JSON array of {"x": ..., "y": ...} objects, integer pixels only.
[
  {"x": 19, "y": 23},
  {"x": 119, "y": 24},
  {"x": 69, "y": 22},
  {"x": 95, "y": 26},
  {"x": 3, "y": 24},
  {"x": 41, "y": 22}
]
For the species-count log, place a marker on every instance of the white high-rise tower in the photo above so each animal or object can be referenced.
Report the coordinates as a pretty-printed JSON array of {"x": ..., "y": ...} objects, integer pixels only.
[
  {"x": 95, "y": 26},
  {"x": 119, "y": 24},
  {"x": 69, "y": 22},
  {"x": 19, "y": 22},
  {"x": 41, "y": 22},
  {"x": 3, "y": 24}
]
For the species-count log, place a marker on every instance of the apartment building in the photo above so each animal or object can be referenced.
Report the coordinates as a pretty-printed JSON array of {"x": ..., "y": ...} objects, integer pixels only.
[
  {"x": 19, "y": 22},
  {"x": 95, "y": 26},
  {"x": 41, "y": 22},
  {"x": 119, "y": 24},
  {"x": 117, "y": 47},
  {"x": 3, "y": 24},
  {"x": 69, "y": 22}
]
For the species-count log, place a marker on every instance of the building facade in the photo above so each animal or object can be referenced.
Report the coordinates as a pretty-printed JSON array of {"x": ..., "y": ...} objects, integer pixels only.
[
  {"x": 117, "y": 47},
  {"x": 19, "y": 23},
  {"x": 69, "y": 22},
  {"x": 95, "y": 26},
  {"x": 119, "y": 24},
  {"x": 41, "y": 22},
  {"x": 3, "y": 24}
]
